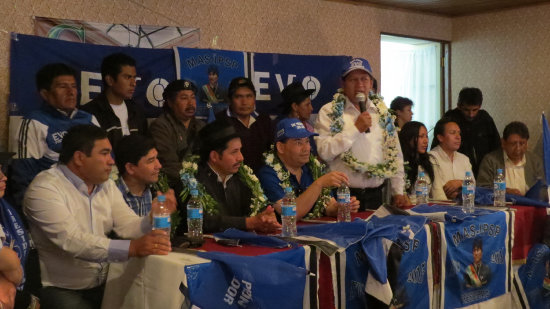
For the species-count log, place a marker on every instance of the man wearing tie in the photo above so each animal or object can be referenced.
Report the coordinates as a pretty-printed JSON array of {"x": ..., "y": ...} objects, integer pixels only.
[{"x": 357, "y": 137}]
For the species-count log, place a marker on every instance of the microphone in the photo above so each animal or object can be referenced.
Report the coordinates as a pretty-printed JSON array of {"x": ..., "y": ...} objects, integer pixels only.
[{"x": 362, "y": 99}]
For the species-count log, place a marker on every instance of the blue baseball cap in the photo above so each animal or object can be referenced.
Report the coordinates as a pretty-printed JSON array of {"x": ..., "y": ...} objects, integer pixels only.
[
  {"x": 291, "y": 128},
  {"x": 356, "y": 64}
]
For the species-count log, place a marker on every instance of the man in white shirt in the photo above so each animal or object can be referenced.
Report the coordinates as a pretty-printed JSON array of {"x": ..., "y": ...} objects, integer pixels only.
[
  {"x": 71, "y": 207},
  {"x": 450, "y": 166},
  {"x": 354, "y": 142},
  {"x": 522, "y": 168},
  {"x": 114, "y": 108}
]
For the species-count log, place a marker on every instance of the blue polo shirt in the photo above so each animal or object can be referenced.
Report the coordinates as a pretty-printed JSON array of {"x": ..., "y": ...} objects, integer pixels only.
[{"x": 271, "y": 184}]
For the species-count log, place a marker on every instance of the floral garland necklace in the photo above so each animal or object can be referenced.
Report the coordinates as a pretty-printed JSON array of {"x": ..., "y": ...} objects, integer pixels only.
[
  {"x": 316, "y": 167},
  {"x": 246, "y": 175},
  {"x": 390, "y": 145}
]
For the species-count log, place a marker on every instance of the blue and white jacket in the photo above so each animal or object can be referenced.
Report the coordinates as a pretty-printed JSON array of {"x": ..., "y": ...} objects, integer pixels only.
[{"x": 41, "y": 132}]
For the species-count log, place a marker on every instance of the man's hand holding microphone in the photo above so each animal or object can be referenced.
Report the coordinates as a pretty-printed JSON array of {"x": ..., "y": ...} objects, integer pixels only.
[{"x": 364, "y": 120}]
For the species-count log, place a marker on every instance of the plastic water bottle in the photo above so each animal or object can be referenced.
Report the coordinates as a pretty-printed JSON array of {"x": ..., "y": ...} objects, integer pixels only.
[
  {"x": 468, "y": 193},
  {"x": 421, "y": 189},
  {"x": 194, "y": 217},
  {"x": 161, "y": 216},
  {"x": 288, "y": 213},
  {"x": 343, "y": 199},
  {"x": 499, "y": 189}
]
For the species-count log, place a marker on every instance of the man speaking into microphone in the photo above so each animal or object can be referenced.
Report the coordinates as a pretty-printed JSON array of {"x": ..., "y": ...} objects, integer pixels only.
[{"x": 356, "y": 137}]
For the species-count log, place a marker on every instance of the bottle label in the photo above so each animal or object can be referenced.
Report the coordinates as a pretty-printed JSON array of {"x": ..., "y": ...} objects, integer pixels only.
[
  {"x": 194, "y": 213},
  {"x": 422, "y": 191},
  {"x": 161, "y": 222},
  {"x": 468, "y": 189},
  {"x": 500, "y": 186},
  {"x": 343, "y": 198},
  {"x": 288, "y": 210}
]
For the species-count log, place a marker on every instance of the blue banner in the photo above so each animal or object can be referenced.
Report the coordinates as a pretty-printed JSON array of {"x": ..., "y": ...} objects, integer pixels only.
[
  {"x": 155, "y": 69},
  {"x": 534, "y": 278},
  {"x": 411, "y": 276},
  {"x": 415, "y": 277},
  {"x": 273, "y": 72},
  {"x": 476, "y": 256},
  {"x": 232, "y": 281},
  {"x": 196, "y": 65}
]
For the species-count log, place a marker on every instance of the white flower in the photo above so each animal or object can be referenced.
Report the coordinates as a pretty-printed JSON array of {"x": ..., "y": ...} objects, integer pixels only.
[
  {"x": 195, "y": 167},
  {"x": 254, "y": 178},
  {"x": 262, "y": 199},
  {"x": 269, "y": 158},
  {"x": 193, "y": 182},
  {"x": 187, "y": 164}
]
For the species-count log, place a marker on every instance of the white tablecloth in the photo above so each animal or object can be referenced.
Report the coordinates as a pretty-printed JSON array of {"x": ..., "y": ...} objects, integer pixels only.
[{"x": 150, "y": 282}]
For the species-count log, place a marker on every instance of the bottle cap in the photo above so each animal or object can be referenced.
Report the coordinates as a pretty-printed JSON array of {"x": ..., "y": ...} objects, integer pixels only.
[
  {"x": 161, "y": 198},
  {"x": 468, "y": 173},
  {"x": 421, "y": 174},
  {"x": 194, "y": 192},
  {"x": 499, "y": 171},
  {"x": 288, "y": 189}
]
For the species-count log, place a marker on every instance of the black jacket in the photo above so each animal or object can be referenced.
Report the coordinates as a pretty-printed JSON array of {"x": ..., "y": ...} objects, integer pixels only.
[{"x": 101, "y": 109}]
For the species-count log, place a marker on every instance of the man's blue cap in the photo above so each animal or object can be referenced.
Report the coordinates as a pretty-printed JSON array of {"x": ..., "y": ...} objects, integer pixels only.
[
  {"x": 291, "y": 128},
  {"x": 356, "y": 64}
]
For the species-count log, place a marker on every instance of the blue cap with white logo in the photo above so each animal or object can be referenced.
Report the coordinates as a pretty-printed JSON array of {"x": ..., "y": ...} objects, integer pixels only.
[
  {"x": 356, "y": 64},
  {"x": 291, "y": 128}
]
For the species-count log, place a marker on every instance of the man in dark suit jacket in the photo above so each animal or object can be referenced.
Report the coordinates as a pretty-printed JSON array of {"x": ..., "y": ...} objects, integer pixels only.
[
  {"x": 477, "y": 274},
  {"x": 514, "y": 160}
]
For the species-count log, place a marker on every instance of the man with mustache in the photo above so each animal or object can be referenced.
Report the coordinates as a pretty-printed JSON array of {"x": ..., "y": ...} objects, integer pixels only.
[
  {"x": 292, "y": 148},
  {"x": 220, "y": 160},
  {"x": 450, "y": 166},
  {"x": 175, "y": 131},
  {"x": 71, "y": 207},
  {"x": 114, "y": 108},
  {"x": 138, "y": 168}
]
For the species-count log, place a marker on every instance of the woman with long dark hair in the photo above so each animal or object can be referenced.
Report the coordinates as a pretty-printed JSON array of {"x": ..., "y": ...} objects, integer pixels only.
[{"x": 413, "y": 137}]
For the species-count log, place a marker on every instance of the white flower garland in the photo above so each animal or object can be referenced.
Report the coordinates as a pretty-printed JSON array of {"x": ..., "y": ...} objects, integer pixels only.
[
  {"x": 316, "y": 167},
  {"x": 189, "y": 172},
  {"x": 391, "y": 141}
]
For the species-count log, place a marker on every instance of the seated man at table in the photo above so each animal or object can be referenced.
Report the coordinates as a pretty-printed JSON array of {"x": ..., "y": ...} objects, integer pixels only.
[
  {"x": 450, "y": 166},
  {"x": 522, "y": 168},
  {"x": 290, "y": 163},
  {"x": 138, "y": 168},
  {"x": 71, "y": 207},
  {"x": 229, "y": 184}
]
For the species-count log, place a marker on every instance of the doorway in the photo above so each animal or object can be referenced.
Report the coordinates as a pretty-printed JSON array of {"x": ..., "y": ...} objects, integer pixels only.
[{"x": 415, "y": 69}]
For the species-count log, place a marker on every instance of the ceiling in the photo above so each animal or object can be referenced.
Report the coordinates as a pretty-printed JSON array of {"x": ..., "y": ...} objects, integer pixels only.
[{"x": 451, "y": 7}]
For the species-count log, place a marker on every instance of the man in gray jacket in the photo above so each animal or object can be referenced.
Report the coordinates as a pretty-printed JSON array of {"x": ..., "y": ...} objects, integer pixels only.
[
  {"x": 521, "y": 167},
  {"x": 175, "y": 132}
]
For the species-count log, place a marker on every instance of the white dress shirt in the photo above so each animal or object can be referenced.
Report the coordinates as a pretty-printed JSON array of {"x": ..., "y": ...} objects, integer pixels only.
[
  {"x": 446, "y": 169},
  {"x": 515, "y": 174},
  {"x": 366, "y": 147},
  {"x": 69, "y": 228}
]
